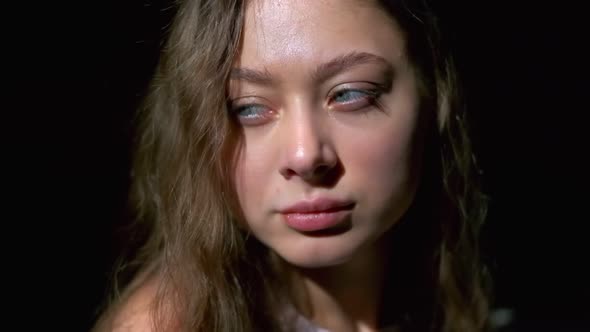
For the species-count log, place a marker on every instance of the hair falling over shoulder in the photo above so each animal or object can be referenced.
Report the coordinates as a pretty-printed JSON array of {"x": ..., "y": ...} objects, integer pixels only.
[{"x": 219, "y": 278}]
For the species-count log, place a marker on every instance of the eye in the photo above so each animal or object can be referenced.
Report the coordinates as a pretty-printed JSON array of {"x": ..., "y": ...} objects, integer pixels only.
[
  {"x": 346, "y": 96},
  {"x": 353, "y": 99},
  {"x": 252, "y": 114},
  {"x": 249, "y": 111}
]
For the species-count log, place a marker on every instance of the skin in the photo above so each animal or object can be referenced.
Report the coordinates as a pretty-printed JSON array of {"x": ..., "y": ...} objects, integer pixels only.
[{"x": 328, "y": 105}]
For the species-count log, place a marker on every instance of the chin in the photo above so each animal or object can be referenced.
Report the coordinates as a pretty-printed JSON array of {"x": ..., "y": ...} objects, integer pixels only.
[
  {"x": 318, "y": 252},
  {"x": 316, "y": 262}
]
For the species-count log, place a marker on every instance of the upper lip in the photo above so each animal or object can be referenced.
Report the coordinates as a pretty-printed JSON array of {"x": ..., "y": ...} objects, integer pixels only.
[{"x": 318, "y": 205}]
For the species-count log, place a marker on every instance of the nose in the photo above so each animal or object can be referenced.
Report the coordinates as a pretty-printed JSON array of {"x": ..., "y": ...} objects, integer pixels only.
[{"x": 308, "y": 151}]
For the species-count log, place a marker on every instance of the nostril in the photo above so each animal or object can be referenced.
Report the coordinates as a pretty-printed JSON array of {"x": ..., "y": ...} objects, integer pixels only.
[
  {"x": 289, "y": 173},
  {"x": 327, "y": 175},
  {"x": 322, "y": 170}
]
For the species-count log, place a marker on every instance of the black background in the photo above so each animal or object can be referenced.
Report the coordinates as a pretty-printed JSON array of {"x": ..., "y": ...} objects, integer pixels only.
[{"x": 79, "y": 70}]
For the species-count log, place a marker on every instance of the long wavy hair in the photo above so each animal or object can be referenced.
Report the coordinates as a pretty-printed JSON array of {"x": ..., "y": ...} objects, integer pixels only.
[{"x": 220, "y": 279}]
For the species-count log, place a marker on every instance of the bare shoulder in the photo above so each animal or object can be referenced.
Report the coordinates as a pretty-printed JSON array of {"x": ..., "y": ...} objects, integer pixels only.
[{"x": 134, "y": 311}]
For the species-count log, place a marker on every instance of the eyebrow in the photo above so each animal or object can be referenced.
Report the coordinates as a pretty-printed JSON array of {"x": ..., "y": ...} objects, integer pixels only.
[
  {"x": 251, "y": 75},
  {"x": 346, "y": 61},
  {"x": 321, "y": 73}
]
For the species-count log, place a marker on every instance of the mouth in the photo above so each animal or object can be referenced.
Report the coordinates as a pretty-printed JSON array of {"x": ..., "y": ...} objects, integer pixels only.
[{"x": 318, "y": 216}]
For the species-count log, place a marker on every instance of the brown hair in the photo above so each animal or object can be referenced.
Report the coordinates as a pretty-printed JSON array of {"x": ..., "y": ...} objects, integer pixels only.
[{"x": 218, "y": 278}]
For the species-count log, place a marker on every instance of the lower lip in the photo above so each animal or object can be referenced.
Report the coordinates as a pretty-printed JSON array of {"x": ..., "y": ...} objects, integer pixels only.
[{"x": 310, "y": 222}]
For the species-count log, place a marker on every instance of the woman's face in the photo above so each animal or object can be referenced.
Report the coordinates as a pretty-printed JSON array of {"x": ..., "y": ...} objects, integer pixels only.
[{"x": 328, "y": 105}]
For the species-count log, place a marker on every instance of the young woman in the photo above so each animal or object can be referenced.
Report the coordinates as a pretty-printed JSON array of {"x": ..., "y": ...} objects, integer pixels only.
[{"x": 303, "y": 166}]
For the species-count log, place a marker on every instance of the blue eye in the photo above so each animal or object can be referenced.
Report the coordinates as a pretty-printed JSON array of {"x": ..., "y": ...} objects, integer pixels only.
[
  {"x": 346, "y": 96},
  {"x": 253, "y": 114},
  {"x": 348, "y": 100},
  {"x": 249, "y": 111}
]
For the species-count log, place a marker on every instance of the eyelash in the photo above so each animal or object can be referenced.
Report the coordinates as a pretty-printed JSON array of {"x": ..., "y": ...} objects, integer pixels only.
[
  {"x": 370, "y": 96},
  {"x": 257, "y": 118},
  {"x": 246, "y": 107}
]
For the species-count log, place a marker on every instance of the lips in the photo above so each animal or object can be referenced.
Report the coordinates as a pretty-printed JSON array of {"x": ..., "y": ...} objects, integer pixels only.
[
  {"x": 317, "y": 215},
  {"x": 318, "y": 205}
]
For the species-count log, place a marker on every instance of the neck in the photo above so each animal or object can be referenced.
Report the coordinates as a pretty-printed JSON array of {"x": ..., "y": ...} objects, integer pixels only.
[{"x": 346, "y": 297}]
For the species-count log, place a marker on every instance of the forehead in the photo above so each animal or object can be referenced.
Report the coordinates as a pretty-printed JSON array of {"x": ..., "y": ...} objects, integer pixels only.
[{"x": 299, "y": 32}]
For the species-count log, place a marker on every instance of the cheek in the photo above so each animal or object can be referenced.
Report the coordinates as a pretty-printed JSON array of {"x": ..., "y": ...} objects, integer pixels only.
[
  {"x": 383, "y": 162},
  {"x": 385, "y": 149},
  {"x": 253, "y": 176}
]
